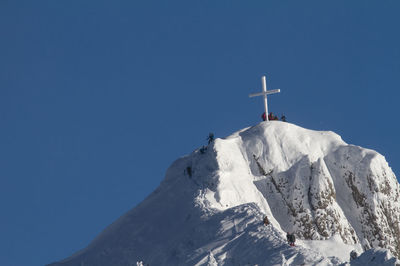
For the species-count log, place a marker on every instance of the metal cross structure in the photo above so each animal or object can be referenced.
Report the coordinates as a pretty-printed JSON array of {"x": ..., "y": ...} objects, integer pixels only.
[{"x": 264, "y": 93}]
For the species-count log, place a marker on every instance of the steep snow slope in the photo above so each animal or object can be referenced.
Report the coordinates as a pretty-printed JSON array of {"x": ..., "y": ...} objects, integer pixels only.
[
  {"x": 376, "y": 257},
  {"x": 209, "y": 208}
]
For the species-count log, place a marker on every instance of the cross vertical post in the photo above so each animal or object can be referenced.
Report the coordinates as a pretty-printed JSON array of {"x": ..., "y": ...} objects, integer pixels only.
[
  {"x": 265, "y": 93},
  {"x": 264, "y": 87}
]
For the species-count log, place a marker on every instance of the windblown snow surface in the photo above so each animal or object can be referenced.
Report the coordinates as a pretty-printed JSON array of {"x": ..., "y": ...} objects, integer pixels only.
[{"x": 209, "y": 208}]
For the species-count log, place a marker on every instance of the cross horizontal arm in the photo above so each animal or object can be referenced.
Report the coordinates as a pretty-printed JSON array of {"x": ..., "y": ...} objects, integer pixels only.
[{"x": 264, "y": 93}]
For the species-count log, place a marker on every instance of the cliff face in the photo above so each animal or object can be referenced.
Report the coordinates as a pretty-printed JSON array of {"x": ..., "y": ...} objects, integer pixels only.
[
  {"x": 317, "y": 185},
  {"x": 209, "y": 208},
  {"x": 370, "y": 196}
]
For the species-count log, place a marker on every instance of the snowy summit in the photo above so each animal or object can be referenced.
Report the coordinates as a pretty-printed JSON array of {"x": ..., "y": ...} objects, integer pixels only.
[{"x": 209, "y": 210}]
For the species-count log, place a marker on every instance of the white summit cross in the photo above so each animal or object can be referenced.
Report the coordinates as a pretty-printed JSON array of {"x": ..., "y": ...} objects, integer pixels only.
[{"x": 265, "y": 93}]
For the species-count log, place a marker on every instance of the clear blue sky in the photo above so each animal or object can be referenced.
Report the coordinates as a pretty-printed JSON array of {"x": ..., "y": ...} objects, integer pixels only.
[{"x": 98, "y": 98}]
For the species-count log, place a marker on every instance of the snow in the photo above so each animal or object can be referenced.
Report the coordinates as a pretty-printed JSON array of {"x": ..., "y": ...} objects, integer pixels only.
[
  {"x": 209, "y": 208},
  {"x": 332, "y": 247},
  {"x": 376, "y": 257}
]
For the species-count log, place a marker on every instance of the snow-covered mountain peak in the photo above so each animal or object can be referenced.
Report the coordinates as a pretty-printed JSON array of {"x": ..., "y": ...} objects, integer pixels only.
[
  {"x": 210, "y": 206},
  {"x": 282, "y": 143}
]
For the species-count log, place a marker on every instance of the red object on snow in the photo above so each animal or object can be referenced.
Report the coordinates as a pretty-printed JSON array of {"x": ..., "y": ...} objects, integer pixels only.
[
  {"x": 271, "y": 116},
  {"x": 264, "y": 117}
]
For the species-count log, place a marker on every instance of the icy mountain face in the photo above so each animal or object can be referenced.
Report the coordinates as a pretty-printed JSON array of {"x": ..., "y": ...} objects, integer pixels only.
[
  {"x": 209, "y": 208},
  {"x": 376, "y": 257},
  {"x": 317, "y": 185}
]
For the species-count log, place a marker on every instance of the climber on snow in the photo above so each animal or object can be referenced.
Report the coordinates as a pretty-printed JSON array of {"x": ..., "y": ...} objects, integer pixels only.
[
  {"x": 353, "y": 255},
  {"x": 291, "y": 239},
  {"x": 210, "y": 137},
  {"x": 271, "y": 116},
  {"x": 266, "y": 221}
]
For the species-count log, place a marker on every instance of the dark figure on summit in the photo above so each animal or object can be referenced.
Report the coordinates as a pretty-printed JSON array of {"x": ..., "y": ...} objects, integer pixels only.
[
  {"x": 291, "y": 239},
  {"x": 264, "y": 117},
  {"x": 271, "y": 116},
  {"x": 210, "y": 137},
  {"x": 283, "y": 118}
]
